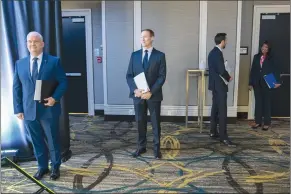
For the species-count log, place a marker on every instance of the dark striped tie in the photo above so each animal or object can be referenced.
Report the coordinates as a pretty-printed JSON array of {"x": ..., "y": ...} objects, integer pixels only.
[
  {"x": 34, "y": 70},
  {"x": 145, "y": 60}
]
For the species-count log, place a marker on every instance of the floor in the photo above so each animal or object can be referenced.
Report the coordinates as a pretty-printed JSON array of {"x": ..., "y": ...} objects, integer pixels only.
[{"x": 192, "y": 162}]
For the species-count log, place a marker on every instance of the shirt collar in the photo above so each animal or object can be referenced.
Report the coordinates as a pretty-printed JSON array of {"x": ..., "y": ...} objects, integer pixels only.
[
  {"x": 149, "y": 49},
  {"x": 39, "y": 57},
  {"x": 219, "y": 48}
]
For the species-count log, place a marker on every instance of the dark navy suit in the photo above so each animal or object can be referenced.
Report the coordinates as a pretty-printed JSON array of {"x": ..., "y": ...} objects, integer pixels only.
[
  {"x": 41, "y": 121},
  {"x": 261, "y": 90},
  {"x": 155, "y": 74},
  {"x": 219, "y": 92}
]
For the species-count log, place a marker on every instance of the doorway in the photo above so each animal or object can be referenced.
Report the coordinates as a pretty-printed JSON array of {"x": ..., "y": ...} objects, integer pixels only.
[
  {"x": 77, "y": 60},
  {"x": 272, "y": 23}
]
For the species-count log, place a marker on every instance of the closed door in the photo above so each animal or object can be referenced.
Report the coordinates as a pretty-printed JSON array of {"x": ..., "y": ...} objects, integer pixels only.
[
  {"x": 276, "y": 29},
  {"x": 74, "y": 63}
]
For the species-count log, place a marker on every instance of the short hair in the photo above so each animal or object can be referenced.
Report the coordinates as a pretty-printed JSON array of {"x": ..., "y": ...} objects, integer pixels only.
[
  {"x": 219, "y": 38},
  {"x": 34, "y": 33},
  {"x": 150, "y": 31}
]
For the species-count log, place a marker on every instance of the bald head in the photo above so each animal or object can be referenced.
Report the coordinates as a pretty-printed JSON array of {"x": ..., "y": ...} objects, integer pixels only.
[{"x": 35, "y": 43}]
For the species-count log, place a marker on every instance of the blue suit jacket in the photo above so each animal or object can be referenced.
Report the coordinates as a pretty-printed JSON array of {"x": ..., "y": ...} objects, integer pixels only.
[
  {"x": 23, "y": 87},
  {"x": 216, "y": 67},
  {"x": 155, "y": 73}
]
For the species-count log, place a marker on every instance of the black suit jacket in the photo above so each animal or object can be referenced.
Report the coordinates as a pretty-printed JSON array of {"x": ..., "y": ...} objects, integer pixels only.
[
  {"x": 257, "y": 72},
  {"x": 155, "y": 74},
  {"x": 216, "y": 67}
]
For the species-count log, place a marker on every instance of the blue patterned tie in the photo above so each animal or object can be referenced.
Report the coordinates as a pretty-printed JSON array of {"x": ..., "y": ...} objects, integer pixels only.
[
  {"x": 145, "y": 60},
  {"x": 34, "y": 70}
]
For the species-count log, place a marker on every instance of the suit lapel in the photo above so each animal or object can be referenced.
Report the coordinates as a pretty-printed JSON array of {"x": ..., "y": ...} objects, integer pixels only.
[
  {"x": 42, "y": 66},
  {"x": 152, "y": 56},
  {"x": 27, "y": 61},
  {"x": 266, "y": 58},
  {"x": 220, "y": 53},
  {"x": 151, "y": 59},
  {"x": 139, "y": 58}
]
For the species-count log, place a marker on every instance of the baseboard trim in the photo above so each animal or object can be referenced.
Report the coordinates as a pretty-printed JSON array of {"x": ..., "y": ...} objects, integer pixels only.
[
  {"x": 174, "y": 111},
  {"x": 176, "y": 119},
  {"x": 99, "y": 106},
  {"x": 168, "y": 113}
]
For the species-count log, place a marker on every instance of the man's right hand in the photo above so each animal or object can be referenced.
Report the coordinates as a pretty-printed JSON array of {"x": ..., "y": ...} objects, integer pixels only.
[
  {"x": 20, "y": 116},
  {"x": 138, "y": 92},
  {"x": 250, "y": 88},
  {"x": 230, "y": 79}
]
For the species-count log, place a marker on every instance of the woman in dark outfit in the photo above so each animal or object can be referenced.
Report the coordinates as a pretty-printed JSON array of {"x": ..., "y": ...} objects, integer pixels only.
[{"x": 263, "y": 64}]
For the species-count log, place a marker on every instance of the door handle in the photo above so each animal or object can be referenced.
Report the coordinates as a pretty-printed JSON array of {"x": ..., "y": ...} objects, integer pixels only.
[
  {"x": 73, "y": 74},
  {"x": 284, "y": 74}
]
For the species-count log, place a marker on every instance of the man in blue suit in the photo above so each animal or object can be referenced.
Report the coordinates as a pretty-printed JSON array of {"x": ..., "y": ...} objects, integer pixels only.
[
  {"x": 218, "y": 80},
  {"x": 153, "y": 63},
  {"x": 41, "y": 120}
]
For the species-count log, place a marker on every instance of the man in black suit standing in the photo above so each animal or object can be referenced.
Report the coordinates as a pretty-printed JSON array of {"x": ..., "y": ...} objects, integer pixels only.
[
  {"x": 218, "y": 80},
  {"x": 153, "y": 63}
]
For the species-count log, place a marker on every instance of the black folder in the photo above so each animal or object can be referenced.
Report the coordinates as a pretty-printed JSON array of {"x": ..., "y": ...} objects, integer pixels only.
[{"x": 44, "y": 89}]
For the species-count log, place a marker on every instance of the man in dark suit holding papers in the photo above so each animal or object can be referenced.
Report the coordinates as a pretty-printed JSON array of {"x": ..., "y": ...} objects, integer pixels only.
[
  {"x": 263, "y": 64},
  {"x": 153, "y": 63},
  {"x": 41, "y": 119},
  {"x": 218, "y": 84}
]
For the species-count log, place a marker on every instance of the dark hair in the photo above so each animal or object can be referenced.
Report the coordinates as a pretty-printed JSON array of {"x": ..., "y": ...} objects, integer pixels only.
[
  {"x": 269, "y": 47},
  {"x": 219, "y": 38},
  {"x": 150, "y": 31}
]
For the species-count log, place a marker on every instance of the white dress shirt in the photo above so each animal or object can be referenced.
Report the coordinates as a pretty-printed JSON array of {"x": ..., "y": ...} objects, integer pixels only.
[
  {"x": 219, "y": 48},
  {"x": 225, "y": 63},
  {"x": 38, "y": 62},
  {"x": 149, "y": 52}
]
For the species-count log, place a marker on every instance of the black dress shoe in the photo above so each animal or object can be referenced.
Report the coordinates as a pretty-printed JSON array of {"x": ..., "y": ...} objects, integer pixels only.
[
  {"x": 158, "y": 155},
  {"x": 40, "y": 173},
  {"x": 228, "y": 143},
  {"x": 55, "y": 174},
  {"x": 139, "y": 152},
  {"x": 212, "y": 135}
]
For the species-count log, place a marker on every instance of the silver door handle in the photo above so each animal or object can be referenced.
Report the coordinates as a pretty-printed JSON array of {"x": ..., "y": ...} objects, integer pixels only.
[
  {"x": 282, "y": 75},
  {"x": 73, "y": 74}
]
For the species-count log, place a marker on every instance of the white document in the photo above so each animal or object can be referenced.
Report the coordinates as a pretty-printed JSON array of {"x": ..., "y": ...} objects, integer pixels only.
[
  {"x": 229, "y": 69},
  {"x": 141, "y": 82},
  {"x": 37, "y": 92}
]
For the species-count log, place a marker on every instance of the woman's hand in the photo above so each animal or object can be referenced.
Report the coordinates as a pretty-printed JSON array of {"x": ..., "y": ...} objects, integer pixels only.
[{"x": 277, "y": 85}]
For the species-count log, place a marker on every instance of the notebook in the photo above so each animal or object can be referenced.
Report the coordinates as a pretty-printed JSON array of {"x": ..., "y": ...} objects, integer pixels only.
[
  {"x": 44, "y": 89},
  {"x": 270, "y": 80}
]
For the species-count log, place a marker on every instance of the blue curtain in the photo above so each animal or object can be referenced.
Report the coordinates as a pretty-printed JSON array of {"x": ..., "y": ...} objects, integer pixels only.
[{"x": 18, "y": 19}]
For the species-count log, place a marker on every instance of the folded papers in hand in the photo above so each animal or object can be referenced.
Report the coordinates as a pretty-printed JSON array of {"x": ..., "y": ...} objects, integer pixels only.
[{"x": 141, "y": 82}]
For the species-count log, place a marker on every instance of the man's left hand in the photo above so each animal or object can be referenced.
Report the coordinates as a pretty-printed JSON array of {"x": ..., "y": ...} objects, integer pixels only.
[
  {"x": 50, "y": 101},
  {"x": 146, "y": 95}
]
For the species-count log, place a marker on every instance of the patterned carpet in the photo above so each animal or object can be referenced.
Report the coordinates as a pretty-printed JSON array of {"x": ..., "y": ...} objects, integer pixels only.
[{"x": 192, "y": 162}]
